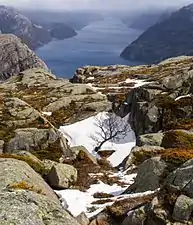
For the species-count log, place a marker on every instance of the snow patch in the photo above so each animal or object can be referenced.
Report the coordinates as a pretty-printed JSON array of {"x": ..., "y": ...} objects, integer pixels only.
[
  {"x": 81, "y": 133},
  {"x": 47, "y": 113},
  {"x": 137, "y": 83},
  {"x": 183, "y": 96}
]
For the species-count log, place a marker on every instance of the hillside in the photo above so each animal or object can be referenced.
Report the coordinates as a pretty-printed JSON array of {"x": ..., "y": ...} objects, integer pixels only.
[
  {"x": 31, "y": 33},
  {"x": 169, "y": 38},
  {"x": 58, "y": 164}
]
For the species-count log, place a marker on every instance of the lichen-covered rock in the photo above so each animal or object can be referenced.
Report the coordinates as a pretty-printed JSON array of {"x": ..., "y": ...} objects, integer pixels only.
[
  {"x": 182, "y": 179},
  {"x": 149, "y": 175},
  {"x": 139, "y": 154},
  {"x": 26, "y": 207},
  {"x": 135, "y": 217},
  {"x": 183, "y": 208},
  {"x": 82, "y": 219},
  {"x": 16, "y": 57},
  {"x": 44, "y": 143},
  {"x": 150, "y": 139},
  {"x": 61, "y": 176},
  {"x": 16, "y": 174}
]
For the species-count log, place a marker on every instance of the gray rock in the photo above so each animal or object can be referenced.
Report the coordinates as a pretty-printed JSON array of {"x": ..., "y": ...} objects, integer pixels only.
[
  {"x": 16, "y": 57},
  {"x": 26, "y": 207},
  {"x": 183, "y": 208},
  {"x": 182, "y": 178},
  {"x": 34, "y": 140},
  {"x": 18, "y": 173},
  {"x": 135, "y": 217},
  {"x": 140, "y": 151},
  {"x": 61, "y": 176},
  {"x": 150, "y": 139},
  {"x": 149, "y": 175},
  {"x": 82, "y": 219}
]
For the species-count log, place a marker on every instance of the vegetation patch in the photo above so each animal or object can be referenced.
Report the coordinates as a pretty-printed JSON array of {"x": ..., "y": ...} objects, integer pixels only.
[
  {"x": 38, "y": 167},
  {"x": 178, "y": 139},
  {"x": 25, "y": 186}
]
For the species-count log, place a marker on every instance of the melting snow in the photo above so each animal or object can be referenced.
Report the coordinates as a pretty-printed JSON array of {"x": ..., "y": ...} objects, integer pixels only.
[
  {"x": 81, "y": 133},
  {"x": 183, "y": 96},
  {"x": 47, "y": 113}
]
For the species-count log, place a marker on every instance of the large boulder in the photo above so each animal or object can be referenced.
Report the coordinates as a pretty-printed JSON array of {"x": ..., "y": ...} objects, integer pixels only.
[
  {"x": 149, "y": 175},
  {"x": 27, "y": 207},
  {"x": 16, "y": 174},
  {"x": 61, "y": 176},
  {"x": 182, "y": 179},
  {"x": 16, "y": 57},
  {"x": 44, "y": 143}
]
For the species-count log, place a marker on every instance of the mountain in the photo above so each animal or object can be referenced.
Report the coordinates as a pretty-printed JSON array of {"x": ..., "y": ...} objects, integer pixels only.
[
  {"x": 170, "y": 37},
  {"x": 11, "y": 21},
  {"x": 75, "y": 19},
  {"x": 60, "y": 30},
  {"x": 148, "y": 19},
  {"x": 32, "y": 33}
]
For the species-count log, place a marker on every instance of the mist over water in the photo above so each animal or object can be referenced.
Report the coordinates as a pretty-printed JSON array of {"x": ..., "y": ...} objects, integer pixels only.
[{"x": 99, "y": 43}]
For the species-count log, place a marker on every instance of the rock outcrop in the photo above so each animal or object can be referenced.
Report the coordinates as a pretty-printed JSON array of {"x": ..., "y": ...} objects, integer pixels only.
[
  {"x": 16, "y": 57},
  {"x": 30, "y": 208}
]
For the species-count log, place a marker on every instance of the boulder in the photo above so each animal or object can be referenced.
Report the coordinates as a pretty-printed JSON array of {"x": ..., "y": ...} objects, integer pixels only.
[
  {"x": 135, "y": 217},
  {"x": 61, "y": 176},
  {"x": 82, "y": 219},
  {"x": 44, "y": 143},
  {"x": 81, "y": 153},
  {"x": 16, "y": 57},
  {"x": 150, "y": 139},
  {"x": 16, "y": 174},
  {"x": 27, "y": 207},
  {"x": 182, "y": 179},
  {"x": 149, "y": 175},
  {"x": 183, "y": 208},
  {"x": 139, "y": 154}
]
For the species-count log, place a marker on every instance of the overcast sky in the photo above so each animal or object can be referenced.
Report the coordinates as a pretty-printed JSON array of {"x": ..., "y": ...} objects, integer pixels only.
[{"x": 95, "y": 4}]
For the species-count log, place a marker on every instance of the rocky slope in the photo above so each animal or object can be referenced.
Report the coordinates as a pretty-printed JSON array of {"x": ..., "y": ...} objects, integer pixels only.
[
  {"x": 33, "y": 34},
  {"x": 161, "y": 115},
  {"x": 169, "y": 38}
]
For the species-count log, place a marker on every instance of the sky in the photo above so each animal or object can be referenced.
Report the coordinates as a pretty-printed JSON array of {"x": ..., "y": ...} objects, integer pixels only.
[{"x": 95, "y": 4}]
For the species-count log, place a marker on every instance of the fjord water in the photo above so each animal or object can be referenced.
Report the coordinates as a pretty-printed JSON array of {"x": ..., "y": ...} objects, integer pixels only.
[{"x": 99, "y": 43}]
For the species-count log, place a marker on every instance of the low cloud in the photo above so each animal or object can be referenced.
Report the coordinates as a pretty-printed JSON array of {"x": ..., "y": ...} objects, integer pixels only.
[{"x": 95, "y": 4}]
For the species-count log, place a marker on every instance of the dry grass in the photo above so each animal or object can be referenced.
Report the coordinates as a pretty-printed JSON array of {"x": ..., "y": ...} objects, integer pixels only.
[{"x": 25, "y": 186}]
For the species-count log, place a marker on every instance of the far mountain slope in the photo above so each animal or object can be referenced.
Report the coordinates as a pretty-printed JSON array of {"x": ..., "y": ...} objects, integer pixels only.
[
  {"x": 171, "y": 37},
  {"x": 33, "y": 34}
]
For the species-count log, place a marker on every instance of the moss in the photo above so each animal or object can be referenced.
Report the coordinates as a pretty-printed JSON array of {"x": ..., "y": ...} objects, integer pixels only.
[
  {"x": 178, "y": 139},
  {"x": 38, "y": 167},
  {"x": 25, "y": 186},
  {"x": 177, "y": 156}
]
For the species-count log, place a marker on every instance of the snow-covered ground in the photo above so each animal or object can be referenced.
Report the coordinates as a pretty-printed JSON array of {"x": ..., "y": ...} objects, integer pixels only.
[
  {"x": 82, "y": 133},
  {"x": 79, "y": 201}
]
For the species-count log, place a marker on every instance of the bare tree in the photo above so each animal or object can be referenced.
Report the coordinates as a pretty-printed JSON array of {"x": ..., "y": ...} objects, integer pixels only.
[{"x": 112, "y": 128}]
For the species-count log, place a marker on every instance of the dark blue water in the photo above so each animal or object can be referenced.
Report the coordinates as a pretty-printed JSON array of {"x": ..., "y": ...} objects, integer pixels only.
[{"x": 100, "y": 43}]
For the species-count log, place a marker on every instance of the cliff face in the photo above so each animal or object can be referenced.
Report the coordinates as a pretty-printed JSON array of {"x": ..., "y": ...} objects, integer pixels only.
[
  {"x": 16, "y": 57},
  {"x": 168, "y": 38}
]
